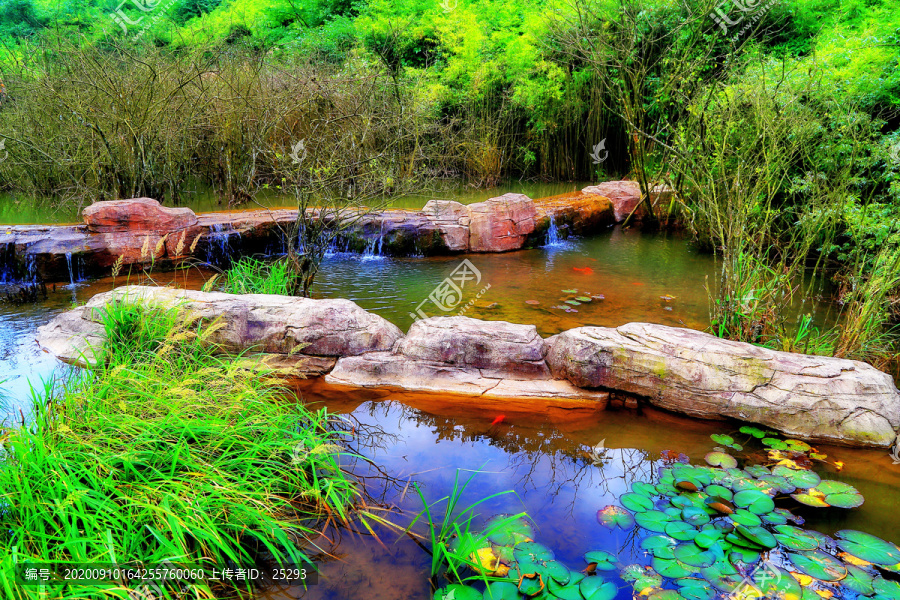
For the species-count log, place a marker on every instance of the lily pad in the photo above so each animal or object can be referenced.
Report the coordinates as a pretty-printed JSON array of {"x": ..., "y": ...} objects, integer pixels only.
[
  {"x": 707, "y": 538},
  {"x": 754, "y": 431},
  {"x": 573, "y": 302},
  {"x": 887, "y": 589},
  {"x": 744, "y": 517},
  {"x": 596, "y": 588},
  {"x": 693, "y": 555},
  {"x": 653, "y": 520},
  {"x": 831, "y": 493},
  {"x": 671, "y": 568},
  {"x": 531, "y": 584},
  {"x": 721, "y": 459},
  {"x": 721, "y": 438},
  {"x": 641, "y": 577},
  {"x": 570, "y": 291},
  {"x": 644, "y": 489},
  {"x": 798, "y": 477},
  {"x": 584, "y": 299},
  {"x": 818, "y": 564},
  {"x": 694, "y": 515},
  {"x": 795, "y": 538},
  {"x": 533, "y": 552},
  {"x": 505, "y": 531},
  {"x": 681, "y": 531},
  {"x": 695, "y": 589},
  {"x": 499, "y": 590},
  {"x": 774, "y": 443},
  {"x": 754, "y": 501},
  {"x": 571, "y": 591},
  {"x": 859, "y": 581},
  {"x": 636, "y": 502},
  {"x": 868, "y": 547},
  {"x": 615, "y": 516},
  {"x": 604, "y": 560},
  {"x": 456, "y": 591},
  {"x": 758, "y": 535}
]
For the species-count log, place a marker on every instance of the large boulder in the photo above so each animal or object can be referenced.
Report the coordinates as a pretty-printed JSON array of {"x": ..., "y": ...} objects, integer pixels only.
[
  {"x": 278, "y": 325},
  {"x": 624, "y": 195},
  {"x": 452, "y": 220},
  {"x": 694, "y": 373},
  {"x": 574, "y": 213},
  {"x": 501, "y": 224},
  {"x": 136, "y": 214},
  {"x": 465, "y": 356}
]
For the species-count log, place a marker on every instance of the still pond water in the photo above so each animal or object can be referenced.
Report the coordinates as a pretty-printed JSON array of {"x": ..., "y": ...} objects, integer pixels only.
[{"x": 541, "y": 455}]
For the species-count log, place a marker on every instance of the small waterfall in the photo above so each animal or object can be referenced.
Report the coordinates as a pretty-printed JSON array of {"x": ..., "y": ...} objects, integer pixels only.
[
  {"x": 553, "y": 239},
  {"x": 222, "y": 238},
  {"x": 31, "y": 274},
  {"x": 374, "y": 247},
  {"x": 71, "y": 272}
]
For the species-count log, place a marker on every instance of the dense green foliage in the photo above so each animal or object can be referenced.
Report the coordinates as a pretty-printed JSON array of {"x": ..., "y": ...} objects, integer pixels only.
[
  {"x": 372, "y": 97},
  {"x": 167, "y": 452}
]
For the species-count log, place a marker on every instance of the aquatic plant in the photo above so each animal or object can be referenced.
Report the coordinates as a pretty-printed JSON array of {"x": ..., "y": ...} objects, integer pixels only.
[
  {"x": 712, "y": 531},
  {"x": 167, "y": 452}
]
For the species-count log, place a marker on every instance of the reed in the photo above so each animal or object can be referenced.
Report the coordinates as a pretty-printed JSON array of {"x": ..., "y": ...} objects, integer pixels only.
[{"x": 167, "y": 451}]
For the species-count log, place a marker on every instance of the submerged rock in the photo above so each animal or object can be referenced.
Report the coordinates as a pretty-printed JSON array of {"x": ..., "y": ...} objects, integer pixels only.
[{"x": 695, "y": 373}]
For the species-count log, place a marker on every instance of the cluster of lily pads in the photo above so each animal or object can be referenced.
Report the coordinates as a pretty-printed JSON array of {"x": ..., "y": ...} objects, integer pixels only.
[
  {"x": 576, "y": 298},
  {"x": 716, "y": 530}
]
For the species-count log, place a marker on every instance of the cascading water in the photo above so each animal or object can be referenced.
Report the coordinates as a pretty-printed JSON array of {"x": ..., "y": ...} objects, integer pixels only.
[
  {"x": 71, "y": 272},
  {"x": 220, "y": 250},
  {"x": 374, "y": 247},
  {"x": 553, "y": 239}
]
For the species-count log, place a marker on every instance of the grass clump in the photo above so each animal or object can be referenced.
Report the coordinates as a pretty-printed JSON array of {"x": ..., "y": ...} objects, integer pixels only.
[
  {"x": 167, "y": 452},
  {"x": 252, "y": 276}
]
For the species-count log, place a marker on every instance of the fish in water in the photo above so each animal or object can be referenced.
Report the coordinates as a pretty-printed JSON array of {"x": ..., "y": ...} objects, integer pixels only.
[
  {"x": 585, "y": 270},
  {"x": 498, "y": 420}
]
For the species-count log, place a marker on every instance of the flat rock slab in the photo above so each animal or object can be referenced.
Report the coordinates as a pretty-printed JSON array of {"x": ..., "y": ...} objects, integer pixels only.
[
  {"x": 394, "y": 371},
  {"x": 694, "y": 373},
  {"x": 142, "y": 214},
  {"x": 277, "y": 325}
]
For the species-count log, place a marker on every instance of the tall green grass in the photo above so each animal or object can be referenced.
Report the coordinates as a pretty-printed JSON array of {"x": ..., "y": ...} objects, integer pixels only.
[
  {"x": 167, "y": 452},
  {"x": 252, "y": 276}
]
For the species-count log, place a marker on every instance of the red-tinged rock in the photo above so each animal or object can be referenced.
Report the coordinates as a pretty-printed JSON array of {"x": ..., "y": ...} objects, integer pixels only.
[
  {"x": 624, "y": 195},
  {"x": 136, "y": 214},
  {"x": 501, "y": 224}
]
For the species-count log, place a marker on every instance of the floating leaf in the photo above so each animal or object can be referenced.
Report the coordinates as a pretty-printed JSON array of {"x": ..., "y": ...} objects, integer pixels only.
[
  {"x": 642, "y": 577},
  {"x": 798, "y": 477},
  {"x": 570, "y": 291},
  {"x": 531, "y": 584},
  {"x": 533, "y": 552},
  {"x": 798, "y": 445},
  {"x": 653, "y": 520},
  {"x": 695, "y": 589},
  {"x": 501, "y": 590},
  {"x": 573, "y": 302},
  {"x": 773, "y": 582},
  {"x": 598, "y": 297},
  {"x": 505, "y": 531},
  {"x": 644, "y": 489},
  {"x": 532, "y": 302},
  {"x": 694, "y": 515},
  {"x": 758, "y": 535},
  {"x": 744, "y": 517},
  {"x": 859, "y": 581},
  {"x": 721, "y": 505},
  {"x": 671, "y": 568},
  {"x": 754, "y": 501},
  {"x": 719, "y": 491},
  {"x": 812, "y": 497},
  {"x": 721, "y": 459},
  {"x": 688, "y": 486},
  {"x": 795, "y": 538},
  {"x": 693, "y": 555},
  {"x": 582, "y": 299},
  {"x": 868, "y": 547},
  {"x": 754, "y": 431},
  {"x": 615, "y": 516},
  {"x": 831, "y": 493},
  {"x": 707, "y": 538},
  {"x": 887, "y": 589},
  {"x": 681, "y": 531},
  {"x": 636, "y": 502},
  {"x": 604, "y": 561},
  {"x": 457, "y": 591},
  {"x": 596, "y": 588},
  {"x": 775, "y": 444},
  {"x": 819, "y": 565},
  {"x": 721, "y": 438}
]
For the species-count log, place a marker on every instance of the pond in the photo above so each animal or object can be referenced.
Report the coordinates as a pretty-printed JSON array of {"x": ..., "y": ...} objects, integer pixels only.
[{"x": 543, "y": 456}]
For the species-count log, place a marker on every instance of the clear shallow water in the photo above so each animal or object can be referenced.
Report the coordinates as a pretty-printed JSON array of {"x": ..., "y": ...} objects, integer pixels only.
[
  {"x": 542, "y": 456},
  {"x": 16, "y": 209}
]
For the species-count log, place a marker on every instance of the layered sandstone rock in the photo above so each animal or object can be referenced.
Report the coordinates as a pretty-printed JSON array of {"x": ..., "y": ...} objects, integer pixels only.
[{"x": 698, "y": 374}]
